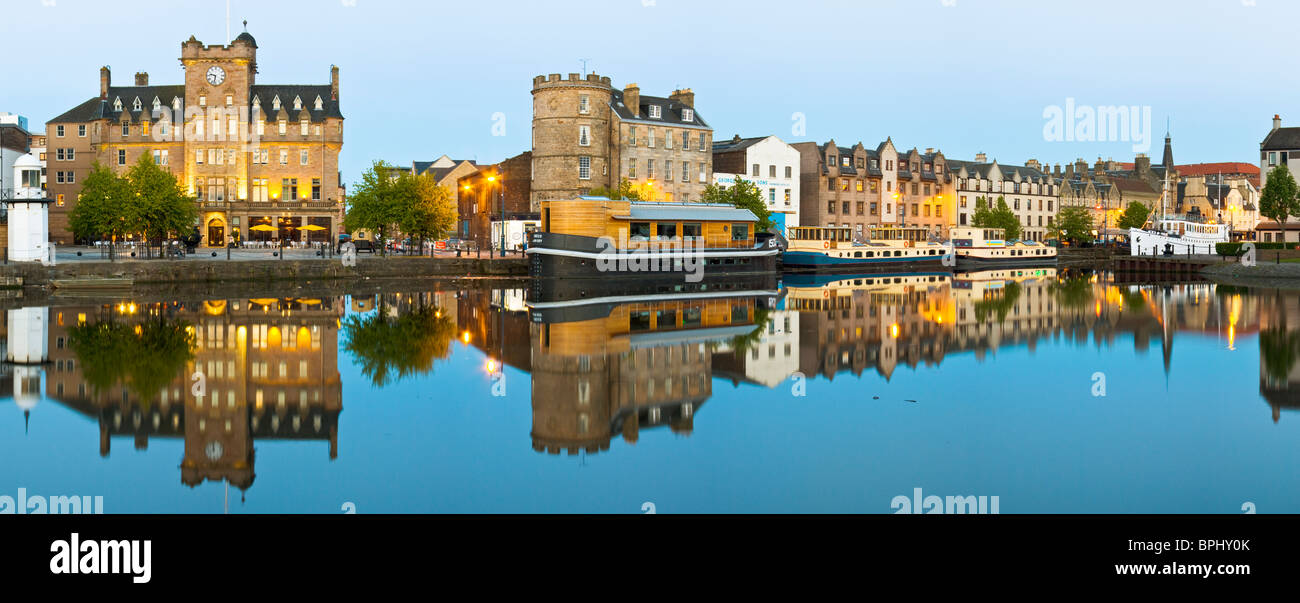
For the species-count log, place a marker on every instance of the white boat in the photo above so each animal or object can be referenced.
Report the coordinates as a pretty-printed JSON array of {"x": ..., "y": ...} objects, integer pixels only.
[
  {"x": 1173, "y": 235},
  {"x": 979, "y": 247}
]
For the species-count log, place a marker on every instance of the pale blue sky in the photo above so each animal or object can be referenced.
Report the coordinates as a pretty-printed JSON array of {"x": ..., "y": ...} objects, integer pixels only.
[{"x": 420, "y": 79}]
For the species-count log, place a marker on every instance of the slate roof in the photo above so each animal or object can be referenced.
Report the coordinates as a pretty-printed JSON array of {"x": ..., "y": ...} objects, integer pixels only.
[
  {"x": 671, "y": 112},
  {"x": 1281, "y": 139},
  {"x": 95, "y": 108},
  {"x": 736, "y": 144},
  {"x": 266, "y": 96},
  {"x": 422, "y": 166}
]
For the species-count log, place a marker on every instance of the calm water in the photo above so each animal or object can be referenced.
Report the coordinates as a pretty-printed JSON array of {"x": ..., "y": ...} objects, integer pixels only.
[{"x": 814, "y": 397}]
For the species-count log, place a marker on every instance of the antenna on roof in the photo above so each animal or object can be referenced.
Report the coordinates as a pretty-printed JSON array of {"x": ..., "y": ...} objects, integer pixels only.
[{"x": 584, "y": 67}]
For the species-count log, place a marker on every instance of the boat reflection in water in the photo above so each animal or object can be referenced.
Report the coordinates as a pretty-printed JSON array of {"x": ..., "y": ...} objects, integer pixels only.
[{"x": 620, "y": 361}]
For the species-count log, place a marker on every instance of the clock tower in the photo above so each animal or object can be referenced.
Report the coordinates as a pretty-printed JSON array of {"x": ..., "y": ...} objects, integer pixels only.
[{"x": 214, "y": 73}]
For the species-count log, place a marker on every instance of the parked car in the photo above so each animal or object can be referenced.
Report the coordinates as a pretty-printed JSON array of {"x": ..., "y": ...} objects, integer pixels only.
[{"x": 362, "y": 245}]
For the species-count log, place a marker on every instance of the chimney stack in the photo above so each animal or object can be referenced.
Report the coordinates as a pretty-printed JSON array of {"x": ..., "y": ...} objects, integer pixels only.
[
  {"x": 632, "y": 99},
  {"x": 142, "y": 78},
  {"x": 1032, "y": 163},
  {"x": 105, "y": 80},
  {"x": 1277, "y": 122},
  {"x": 981, "y": 158},
  {"x": 684, "y": 96},
  {"x": 334, "y": 82}
]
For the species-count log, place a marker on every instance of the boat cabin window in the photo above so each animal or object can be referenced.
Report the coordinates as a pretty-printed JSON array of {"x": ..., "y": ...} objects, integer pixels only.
[
  {"x": 692, "y": 229},
  {"x": 639, "y": 229},
  {"x": 739, "y": 232},
  {"x": 666, "y": 230}
]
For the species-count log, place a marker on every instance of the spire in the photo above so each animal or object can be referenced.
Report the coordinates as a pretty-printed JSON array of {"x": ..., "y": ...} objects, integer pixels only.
[
  {"x": 1168, "y": 161},
  {"x": 27, "y": 420}
]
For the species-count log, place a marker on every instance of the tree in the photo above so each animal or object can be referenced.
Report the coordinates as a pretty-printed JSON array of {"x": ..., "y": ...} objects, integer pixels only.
[
  {"x": 1000, "y": 216},
  {"x": 144, "y": 358},
  {"x": 743, "y": 195},
  {"x": 1279, "y": 201},
  {"x": 429, "y": 210},
  {"x": 392, "y": 348},
  {"x": 626, "y": 190},
  {"x": 159, "y": 207},
  {"x": 378, "y": 202},
  {"x": 1134, "y": 216},
  {"x": 1072, "y": 224},
  {"x": 100, "y": 213}
]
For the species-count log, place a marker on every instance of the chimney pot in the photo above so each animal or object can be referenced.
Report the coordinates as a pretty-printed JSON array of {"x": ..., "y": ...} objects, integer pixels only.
[
  {"x": 1277, "y": 122},
  {"x": 142, "y": 78}
]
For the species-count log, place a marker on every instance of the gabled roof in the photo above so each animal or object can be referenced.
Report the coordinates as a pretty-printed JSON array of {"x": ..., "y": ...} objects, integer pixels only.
[
  {"x": 1281, "y": 139},
  {"x": 736, "y": 144},
  {"x": 265, "y": 95}
]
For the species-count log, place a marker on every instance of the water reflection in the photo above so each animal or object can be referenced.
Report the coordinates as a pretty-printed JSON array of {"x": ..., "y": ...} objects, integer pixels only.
[{"x": 600, "y": 367}]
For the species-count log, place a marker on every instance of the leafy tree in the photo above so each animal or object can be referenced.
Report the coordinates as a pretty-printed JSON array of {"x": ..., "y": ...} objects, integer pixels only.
[
  {"x": 999, "y": 304},
  {"x": 1279, "y": 200},
  {"x": 101, "y": 209},
  {"x": 159, "y": 207},
  {"x": 378, "y": 203},
  {"x": 1072, "y": 224},
  {"x": 1134, "y": 216},
  {"x": 391, "y": 348},
  {"x": 743, "y": 195},
  {"x": 626, "y": 190},
  {"x": 429, "y": 211},
  {"x": 999, "y": 216},
  {"x": 144, "y": 358}
]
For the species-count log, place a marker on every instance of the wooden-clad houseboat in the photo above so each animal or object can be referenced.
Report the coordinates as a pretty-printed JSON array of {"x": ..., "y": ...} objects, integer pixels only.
[{"x": 598, "y": 237}]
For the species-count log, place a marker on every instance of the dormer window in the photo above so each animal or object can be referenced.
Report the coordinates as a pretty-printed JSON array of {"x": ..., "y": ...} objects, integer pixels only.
[
  {"x": 688, "y": 115},
  {"x": 297, "y": 103},
  {"x": 176, "y": 103},
  {"x": 275, "y": 103},
  {"x": 320, "y": 104},
  {"x": 135, "y": 106},
  {"x": 257, "y": 103},
  {"x": 656, "y": 112},
  {"x": 157, "y": 105}
]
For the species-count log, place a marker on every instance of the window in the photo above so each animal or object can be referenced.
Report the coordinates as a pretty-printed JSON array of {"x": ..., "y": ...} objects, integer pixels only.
[
  {"x": 60, "y": 154},
  {"x": 756, "y": 168},
  {"x": 259, "y": 189},
  {"x": 121, "y": 157},
  {"x": 668, "y": 139},
  {"x": 859, "y": 186},
  {"x": 739, "y": 232},
  {"x": 787, "y": 196},
  {"x": 198, "y": 156},
  {"x": 1272, "y": 155},
  {"x": 688, "y": 115},
  {"x": 666, "y": 230},
  {"x": 59, "y": 177},
  {"x": 315, "y": 189},
  {"x": 631, "y": 136},
  {"x": 284, "y": 156},
  {"x": 58, "y": 131},
  {"x": 261, "y": 127},
  {"x": 304, "y": 127},
  {"x": 302, "y": 157},
  {"x": 650, "y": 169},
  {"x": 692, "y": 230},
  {"x": 284, "y": 127},
  {"x": 702, "y": 141},
  {"x": 584, "y": 136},
  {"x": 830, "y": 207},
  {"x": 232, "y": 129},
  {"x": 584, "y": 168},
  {"x": 650, "y": 138},
  {"x": 656, "y": 112},
  {"x": 203, "y": 101},
  {"x": 584, "y": 104},
  {"x": 289, "y": 189},
  {"x": 668, "y": 170},
  {"x": 81, "y": 130},
  {"x": 771, "y": 195},
  {"x": 639, "y": 229},
  {"x": 160, "y": 157},
  {"x": 703, "y": 174},
  {"x": 686, "y": 171},
  {"x": 631, "y": 169},
  {"x": 126, "y": 129}
]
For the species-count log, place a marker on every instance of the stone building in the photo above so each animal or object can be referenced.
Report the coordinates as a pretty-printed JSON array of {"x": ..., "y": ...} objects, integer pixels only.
[
  {"x": 859, "y": 187},
  {"x": 770, "y": 164},
  {"x": 1029, "y": 192},
  {"x": 252, "y": 154},
  {"x": 586, "y": 135}
]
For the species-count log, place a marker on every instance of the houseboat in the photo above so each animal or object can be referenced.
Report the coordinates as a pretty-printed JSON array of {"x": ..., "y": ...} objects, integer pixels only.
[
  {"x": 978, "y": 247},
  {"x": 596, "y": 237},
  {"x": 833, "y": 249}
]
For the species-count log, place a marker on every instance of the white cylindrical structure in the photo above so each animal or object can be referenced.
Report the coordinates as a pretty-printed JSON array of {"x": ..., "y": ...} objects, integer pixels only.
[{"x": 29, "y": 213}]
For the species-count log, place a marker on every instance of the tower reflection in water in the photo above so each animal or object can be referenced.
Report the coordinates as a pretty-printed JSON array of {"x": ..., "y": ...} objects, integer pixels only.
[{"x": 219, "y": 374}]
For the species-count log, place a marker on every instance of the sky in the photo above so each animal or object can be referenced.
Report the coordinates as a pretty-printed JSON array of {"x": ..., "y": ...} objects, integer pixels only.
[{"x": 421, "y": 79}]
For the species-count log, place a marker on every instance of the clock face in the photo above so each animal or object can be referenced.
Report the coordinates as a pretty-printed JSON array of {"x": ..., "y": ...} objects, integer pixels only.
[
  {"x": 215, "y": 450},
  {"x": 216, "y": 75}
]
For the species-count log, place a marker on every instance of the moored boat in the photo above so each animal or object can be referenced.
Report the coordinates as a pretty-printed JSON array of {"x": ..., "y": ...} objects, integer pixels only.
[
  {"x": 978, "y": 247},
  {"x": 596, "y": 237},
  {"x": 832, "y": 249}
]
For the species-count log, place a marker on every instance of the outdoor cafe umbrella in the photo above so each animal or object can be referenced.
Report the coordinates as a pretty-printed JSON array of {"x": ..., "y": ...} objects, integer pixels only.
[
  {"x": 313, "y": 227},
  {"x": 263, "y": 228}
]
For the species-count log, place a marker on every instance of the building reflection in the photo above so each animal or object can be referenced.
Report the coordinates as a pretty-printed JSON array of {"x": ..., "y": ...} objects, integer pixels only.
[
  {"x": 243, "y": 370},
  {"x": 1279, "y": 351}
]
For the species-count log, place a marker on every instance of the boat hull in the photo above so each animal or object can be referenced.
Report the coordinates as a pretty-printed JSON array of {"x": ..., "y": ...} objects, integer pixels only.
[
  {"x": 807, "y": 261},
  {"x": 966, "y": 263}
]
